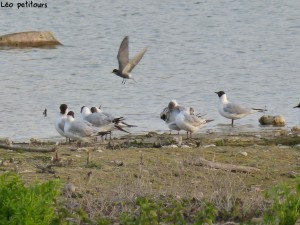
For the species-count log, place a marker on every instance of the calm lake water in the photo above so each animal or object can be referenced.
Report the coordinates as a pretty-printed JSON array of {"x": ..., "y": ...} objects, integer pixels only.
[{"x": 249, "y": 49}]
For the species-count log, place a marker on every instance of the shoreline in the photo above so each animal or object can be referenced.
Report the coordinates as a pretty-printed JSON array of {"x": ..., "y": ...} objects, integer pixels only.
[{"x": 223, "y": 129}]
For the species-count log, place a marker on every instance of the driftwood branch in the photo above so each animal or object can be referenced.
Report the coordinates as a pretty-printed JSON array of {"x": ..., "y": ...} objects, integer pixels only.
[
  {"x": 229, "y": 167},
  {"x": 27, "y": 149}
]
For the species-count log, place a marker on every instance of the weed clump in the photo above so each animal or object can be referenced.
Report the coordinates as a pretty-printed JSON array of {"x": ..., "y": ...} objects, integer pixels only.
[{"x": 27, "y": 205}]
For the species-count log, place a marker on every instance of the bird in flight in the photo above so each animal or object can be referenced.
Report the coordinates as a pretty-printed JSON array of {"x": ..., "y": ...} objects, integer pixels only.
[{"x": 126, "y": 65}]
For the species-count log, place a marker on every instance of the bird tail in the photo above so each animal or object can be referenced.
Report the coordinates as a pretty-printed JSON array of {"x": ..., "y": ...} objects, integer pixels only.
[
  {"x": 118, "y": 120},
  {"x": 121, "y": 129},
  {"x": 102, "y": 133},
  {"x": 126, "y": 124},
  {"x": 260, "y": 110},
  {"x": 199, "y": 115}
]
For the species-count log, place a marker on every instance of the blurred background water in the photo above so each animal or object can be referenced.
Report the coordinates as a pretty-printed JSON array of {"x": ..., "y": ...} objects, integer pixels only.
[{"x": 249, "y": 49}]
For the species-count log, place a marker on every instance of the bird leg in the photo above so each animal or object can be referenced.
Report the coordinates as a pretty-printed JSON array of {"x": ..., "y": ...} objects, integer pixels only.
[{"x": 232, "y": 122}]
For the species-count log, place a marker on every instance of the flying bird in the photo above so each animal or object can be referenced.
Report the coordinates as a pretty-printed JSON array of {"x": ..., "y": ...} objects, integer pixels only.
[{"x": 126, "y": 66}]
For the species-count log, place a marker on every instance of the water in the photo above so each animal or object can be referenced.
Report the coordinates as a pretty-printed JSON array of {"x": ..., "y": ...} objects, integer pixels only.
[{"x": 249, "y": 49}]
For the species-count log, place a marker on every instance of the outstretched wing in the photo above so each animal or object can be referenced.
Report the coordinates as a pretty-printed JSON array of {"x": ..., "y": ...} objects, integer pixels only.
[
  {"x": 133, "y": 62},
  {"x": 123, "y": 54}
]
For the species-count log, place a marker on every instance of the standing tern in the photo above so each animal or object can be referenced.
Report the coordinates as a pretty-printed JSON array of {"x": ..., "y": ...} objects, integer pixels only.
[
  {"x": 126, "y": 66},
  {"x": 233, "y": 111}
]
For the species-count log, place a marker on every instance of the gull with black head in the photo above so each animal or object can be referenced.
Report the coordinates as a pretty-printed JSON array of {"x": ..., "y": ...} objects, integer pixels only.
[
  {"x": 81, "y": 130},
  {"x": 60, "y": 120},
  {"x": 233, "y": 111}
]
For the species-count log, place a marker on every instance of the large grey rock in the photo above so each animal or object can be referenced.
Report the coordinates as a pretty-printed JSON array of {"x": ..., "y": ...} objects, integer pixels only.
[{"x": 29, "y": 39}]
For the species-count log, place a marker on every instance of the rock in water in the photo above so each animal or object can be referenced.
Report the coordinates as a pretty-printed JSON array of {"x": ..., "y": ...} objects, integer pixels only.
[
  {"x": 296, "y": 130},
  {"x": 272, "y": 120},
  {"x": 29, "y": 39}
]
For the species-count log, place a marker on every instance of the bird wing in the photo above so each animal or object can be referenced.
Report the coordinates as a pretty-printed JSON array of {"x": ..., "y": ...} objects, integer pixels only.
[
  {"x": 233, "y": 108},
  {"x": 194, "y": 120},
  {"x": 133, "y": 62},
  {"x": 81, "y": 129},
  {"x": 123, "y": 54},
  {"x": 61, "y": 125},
  {"x": 97, "y": 119}
]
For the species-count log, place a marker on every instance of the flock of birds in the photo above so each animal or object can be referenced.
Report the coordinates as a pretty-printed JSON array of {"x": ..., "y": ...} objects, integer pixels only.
[{"x": 94, "y": 122}]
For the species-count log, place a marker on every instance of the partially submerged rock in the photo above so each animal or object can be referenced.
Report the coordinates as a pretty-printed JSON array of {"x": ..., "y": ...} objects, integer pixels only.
[
  {"x": 29, "y": 39},
  {"x": 296, "y": 130},
  {"x": 272, "y": 120}
]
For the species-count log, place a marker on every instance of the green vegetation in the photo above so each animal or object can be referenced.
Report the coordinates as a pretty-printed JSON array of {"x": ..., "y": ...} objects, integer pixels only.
[
  {"x": 27, "y": 205},
  {"x": 37, "y": 204},
  {"x": 285, "y": 207}
]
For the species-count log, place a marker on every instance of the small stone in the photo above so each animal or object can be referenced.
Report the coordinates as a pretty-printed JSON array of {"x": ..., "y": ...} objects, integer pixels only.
[
  {"x": 69, "y": 187},
  {"x": 178, "y": 140},
  {"x": 292, "y": 174},
  {"x": 209, "y": 146},
  {"x": 185, "y": 146},
  {"x": 82, "y": 150},
  {"x": 296, "y": 130},
  {"x": 244, "y": 153},
  {"x": 118, "y": 163},
  {"x": 257, "y": 220},
  {"x": 170, "y": 146},
  {"x": 6, "y": 141},
  {"x": 283, "y": 146}
]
